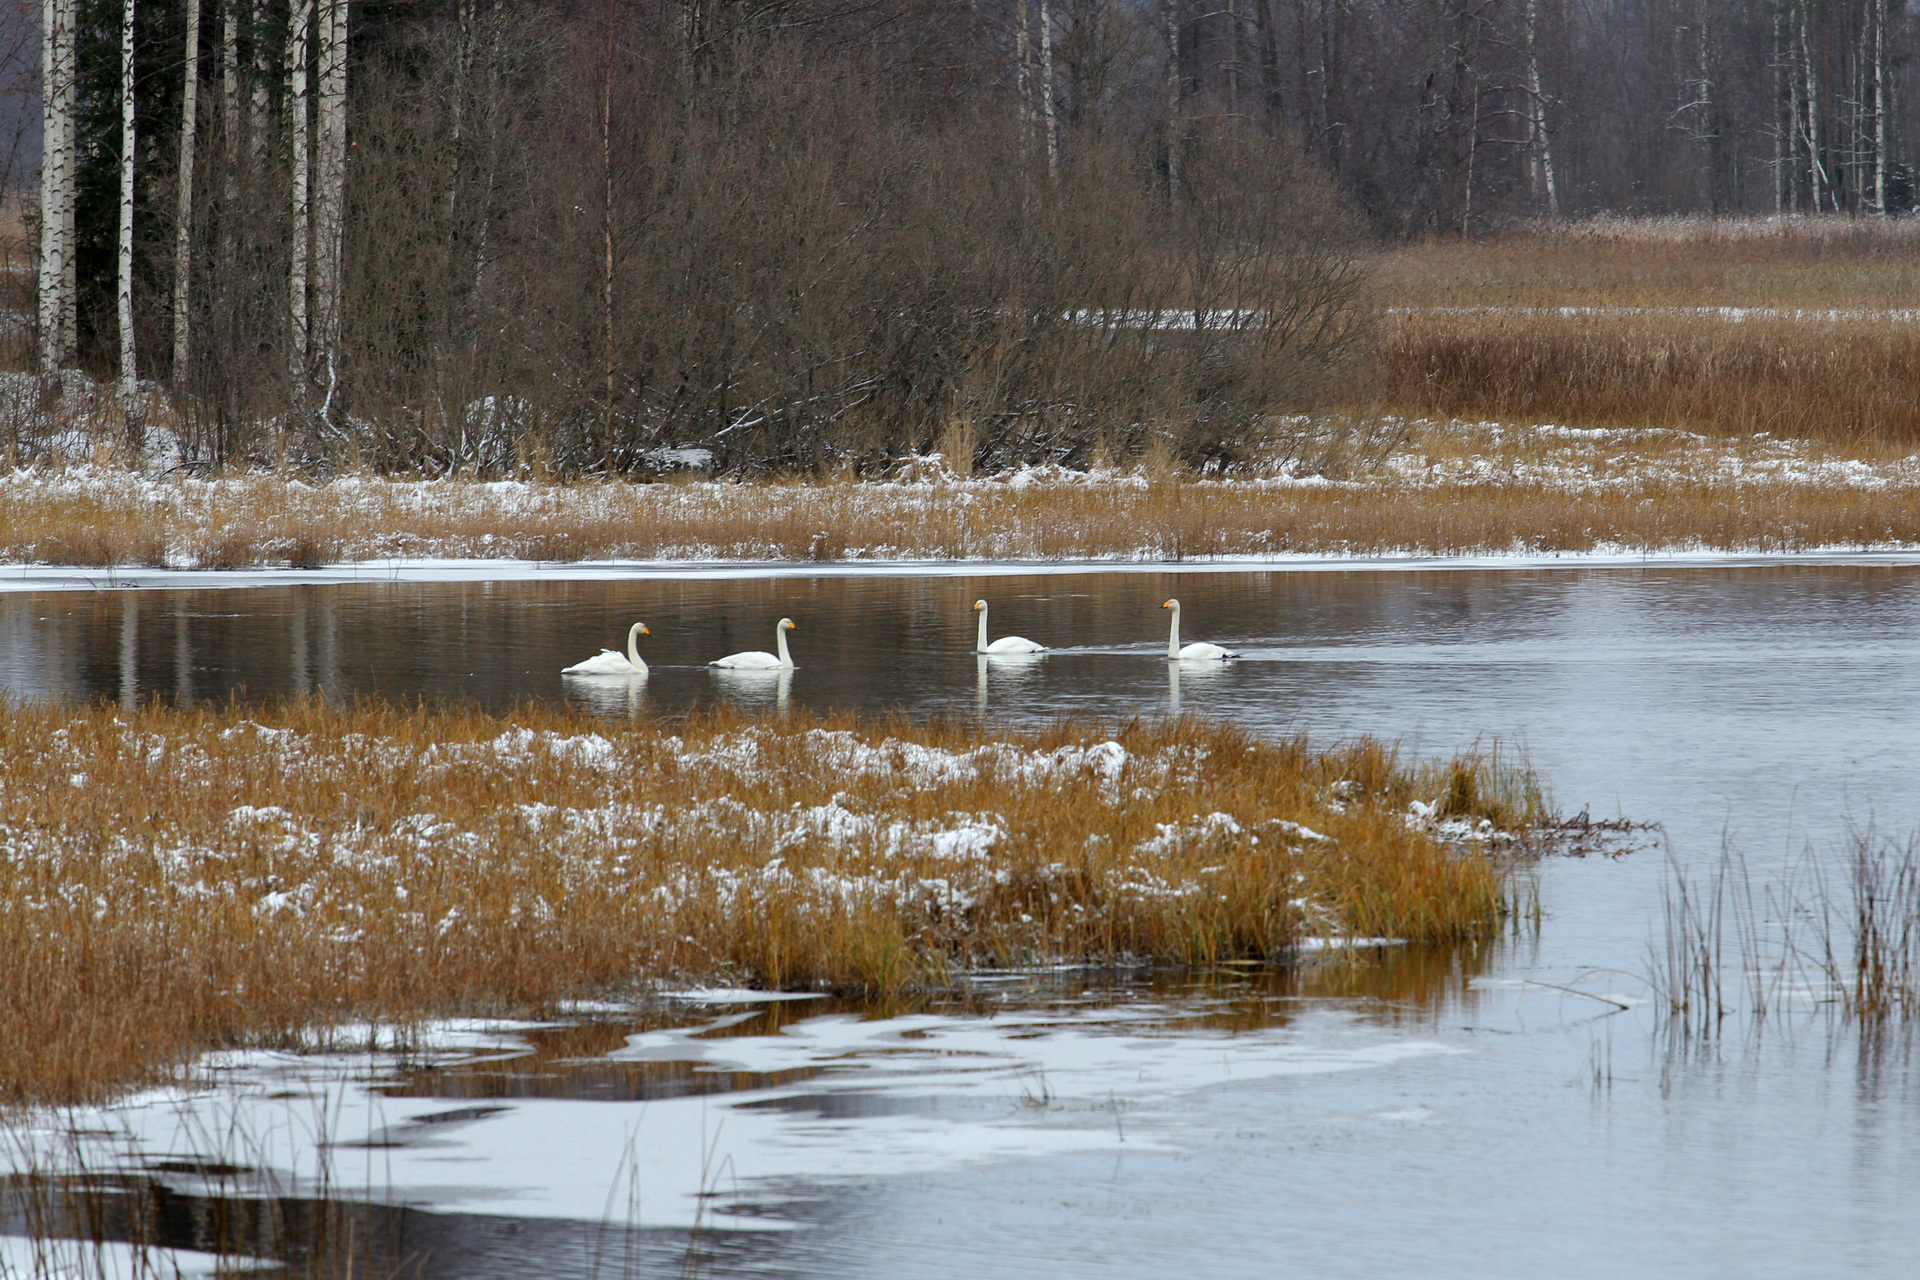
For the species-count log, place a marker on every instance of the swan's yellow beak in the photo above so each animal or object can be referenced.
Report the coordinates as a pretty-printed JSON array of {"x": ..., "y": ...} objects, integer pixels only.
[
  {"x": 644, "y": 631},
  {"x": 1167, "y": 605},
  {"x": 977, "y": 606}
]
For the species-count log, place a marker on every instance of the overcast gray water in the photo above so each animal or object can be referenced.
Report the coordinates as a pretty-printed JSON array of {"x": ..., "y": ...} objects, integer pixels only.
[{"x": 1488, "y": 1126}]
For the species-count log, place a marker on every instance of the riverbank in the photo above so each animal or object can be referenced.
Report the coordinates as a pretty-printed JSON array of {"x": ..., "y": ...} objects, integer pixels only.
[
  {"x": 309, "y": 864},
  {"x": 1431, "y": 489}
]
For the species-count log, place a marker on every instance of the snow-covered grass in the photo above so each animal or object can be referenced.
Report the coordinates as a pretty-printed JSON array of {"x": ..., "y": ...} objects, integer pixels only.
[
  {"x": 1412, "y": 486},
  {"x": 172, "y": 880}
]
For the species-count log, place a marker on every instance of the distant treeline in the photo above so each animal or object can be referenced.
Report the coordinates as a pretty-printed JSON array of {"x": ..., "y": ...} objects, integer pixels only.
[
  {"x": 428, "y": 237},
  {"x": 491, "y": 234}
]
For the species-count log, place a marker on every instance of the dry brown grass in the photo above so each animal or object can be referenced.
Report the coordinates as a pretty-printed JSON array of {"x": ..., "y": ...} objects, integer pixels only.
[
  {"x": 1447, "y": 487},
  {"x": 1824, "y": 263},
  {"x": 175, "y": 880},
  {"x": 1472, "y": 329},
  {"x": 1850, "y": 381}
]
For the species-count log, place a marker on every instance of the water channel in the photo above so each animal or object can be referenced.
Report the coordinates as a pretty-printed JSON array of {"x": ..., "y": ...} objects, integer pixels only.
[{"x": 1435, "y": 1115}]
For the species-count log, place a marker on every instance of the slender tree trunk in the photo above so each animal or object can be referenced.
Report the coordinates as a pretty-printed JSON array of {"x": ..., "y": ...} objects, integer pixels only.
[
  {"x": 1782, "y": 121},
  {"x": 229, "y": 61},
  {"x": 1170, "y": 25},
  {"x": 1540, "y": 145},
  {"x": 607, "y": 245},
  {"x": 300, "y": 20},
  {"x": 1263, "y": 23},
  {"x": 1232, "y": 16},
  {"x": 1023, "y": 75},
  {"x": 260, "y": 101},
  {"x": 56, "y": 184},
  {"x": 1049, "y": 112},
  {"x": 183, "y": 209},
  {"x": 129, "y": 368},
  {"x": 329, "y": 177},
  {"x": 1882, "y": 137}
]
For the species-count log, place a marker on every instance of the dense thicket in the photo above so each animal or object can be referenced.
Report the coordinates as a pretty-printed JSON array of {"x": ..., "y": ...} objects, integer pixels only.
[{"x": 584, "y": 236}]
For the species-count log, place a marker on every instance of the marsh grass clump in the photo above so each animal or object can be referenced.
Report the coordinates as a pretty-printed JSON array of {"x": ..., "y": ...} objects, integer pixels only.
[
  {"x": 173, "y": 880},
  {"x": 1737, "y": 949}
]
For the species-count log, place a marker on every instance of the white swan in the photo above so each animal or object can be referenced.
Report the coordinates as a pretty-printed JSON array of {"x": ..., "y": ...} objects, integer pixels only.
[
  {"x": 1005, "y": 644},
  {"x": 758, "y": 660},
  {"x": 1197, "y": 652},
  {"x": 609, "y": 663}
]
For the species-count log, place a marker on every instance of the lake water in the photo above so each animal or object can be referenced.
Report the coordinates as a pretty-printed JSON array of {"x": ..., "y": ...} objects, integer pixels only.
[{"x": 1437, "y": 1114}]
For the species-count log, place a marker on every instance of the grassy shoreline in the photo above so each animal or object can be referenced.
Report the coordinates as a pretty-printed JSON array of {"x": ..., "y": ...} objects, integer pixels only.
[
  {"x": 200, "y": 878},
  {"x": 1435, "y": 488}
]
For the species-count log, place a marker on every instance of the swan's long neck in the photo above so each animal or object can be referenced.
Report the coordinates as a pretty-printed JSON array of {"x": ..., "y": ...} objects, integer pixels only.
[
  {"x": 633, "y": 646},
  {"x": 780, "y": 645},
  {"x": 1173, "y": 636},
  {"x": 981, "y": 644}
]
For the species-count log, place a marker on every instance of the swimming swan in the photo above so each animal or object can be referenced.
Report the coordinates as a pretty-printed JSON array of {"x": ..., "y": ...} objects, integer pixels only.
[
  {"x": 1005, "y": 644},
  {"x": 757, "y": 660},
  {"x": 608, "y": 663},
  {"x": 1197, "y": 652}
]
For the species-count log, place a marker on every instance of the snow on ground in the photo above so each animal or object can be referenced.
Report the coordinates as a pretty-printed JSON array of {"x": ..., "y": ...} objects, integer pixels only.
[
  {"x": 875, "y": 1098},
  {"x": 185, "y": 529}
]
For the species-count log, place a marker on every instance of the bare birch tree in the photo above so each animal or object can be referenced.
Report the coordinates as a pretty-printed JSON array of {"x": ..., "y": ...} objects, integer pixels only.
[
  {"x": 123, "y": 291},
  {"x": 183, "y": 206},
  {"x": 57, "y": 172},
  {"x": 299, "y": 24},
  {"x": 1049, "y": 110},
  {"x": 329, "y": 178}
]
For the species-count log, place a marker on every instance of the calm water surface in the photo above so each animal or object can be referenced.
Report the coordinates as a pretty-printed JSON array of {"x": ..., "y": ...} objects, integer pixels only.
[{"x": 1489, "y": 1127}]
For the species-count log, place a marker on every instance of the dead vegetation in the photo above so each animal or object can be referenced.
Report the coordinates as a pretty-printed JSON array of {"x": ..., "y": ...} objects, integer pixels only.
[
  {"x": 197, "y": 878},
  {"x": 1412, "y": 487},
  {"x": 1804, "y": 331}
]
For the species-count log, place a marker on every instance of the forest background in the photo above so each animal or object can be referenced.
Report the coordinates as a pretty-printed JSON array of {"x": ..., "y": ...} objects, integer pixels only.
[{"x": 497, "y": 237}]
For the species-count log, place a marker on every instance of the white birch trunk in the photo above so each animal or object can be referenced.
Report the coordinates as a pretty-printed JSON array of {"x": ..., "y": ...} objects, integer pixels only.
[
  {"x": 1540, "y": 146},
  {"x": 183, "y": 209},
  {"x": 1049, "y": 115},
  {"x": 1023, "y": 52},
  {"x": 56, "y": 183},
  {"x": 1882, "y": 108},
  {"x": 260, "y": 105},
  {"x": 229, "y": 62},
  {"x": 300, "y": 20},
  {"x": 129, "y": 368},
  {"x": 329, "y": 173}
]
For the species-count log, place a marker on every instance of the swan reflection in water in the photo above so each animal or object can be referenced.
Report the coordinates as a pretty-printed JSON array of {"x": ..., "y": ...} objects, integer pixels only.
[
  {"x": 1010, "y": 671},
  {"x": 755, "y": 689},
  {"x": 611, "y": 696},
  {"x": 1195, "y": 673}
]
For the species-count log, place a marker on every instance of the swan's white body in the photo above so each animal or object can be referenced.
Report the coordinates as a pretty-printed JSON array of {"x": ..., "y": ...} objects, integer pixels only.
[
  {"x": 1196, "y": 652},
  {"x": 759, "y": 660},
  {"x": 610, "y": 663},
  {"x": 1005, "y": 644}
]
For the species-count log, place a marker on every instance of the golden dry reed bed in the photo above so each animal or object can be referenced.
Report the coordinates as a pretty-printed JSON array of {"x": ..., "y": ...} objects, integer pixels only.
[
  {"x": 1802, "y": 328},
  {"x": 176, "y": 880},
  {"x": 1433, "y": 488}
]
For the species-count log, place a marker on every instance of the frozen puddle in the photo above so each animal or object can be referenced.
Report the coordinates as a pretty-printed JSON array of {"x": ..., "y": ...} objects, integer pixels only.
[{"x": 717, "y": 1117}]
